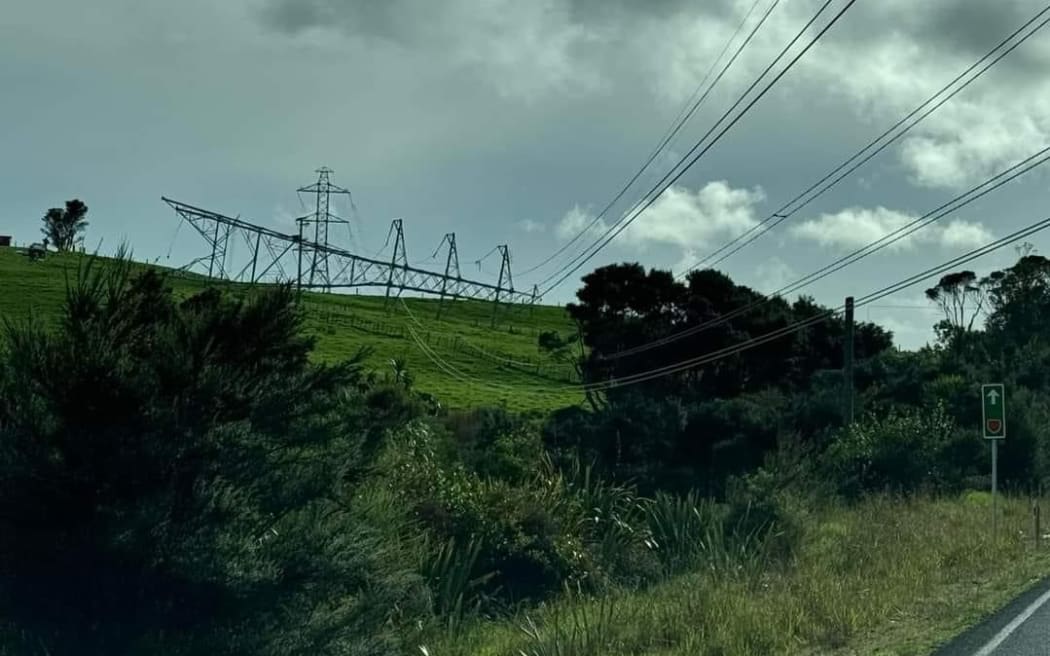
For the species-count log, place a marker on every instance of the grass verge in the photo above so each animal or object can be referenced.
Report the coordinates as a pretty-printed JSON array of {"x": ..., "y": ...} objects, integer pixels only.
[{"x": 887, "y": 576}]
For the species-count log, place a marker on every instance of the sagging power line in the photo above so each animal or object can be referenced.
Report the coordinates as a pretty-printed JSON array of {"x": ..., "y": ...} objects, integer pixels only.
[
  {"x": 690, "y": 159},
  {"x": 898, "y": 130},
  {"x": 708, "y": 358},
  {"x": 687, "y": 112},
  {"x": 973, "y": 194}
]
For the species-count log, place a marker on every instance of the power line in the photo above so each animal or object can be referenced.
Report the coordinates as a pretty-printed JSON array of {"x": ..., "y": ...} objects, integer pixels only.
[
  {"x": 445, "y": 366},
  {"x": 753, "y": 342},
  {"x": 864, "y": 300},
  {"x": 684, "y": 115},
  {"x": 787, "y": 210},
  {"x": 953, "y": 205},
  {"x": 625, "y": 221}
]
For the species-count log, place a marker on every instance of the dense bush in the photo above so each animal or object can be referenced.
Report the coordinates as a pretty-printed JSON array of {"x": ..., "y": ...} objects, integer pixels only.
[
  {"x": 495, "y": 443},
  {"x": 902, "y": 451},
  {"x": 176, "y": 477},
  {"x": 556, "y": 527}
]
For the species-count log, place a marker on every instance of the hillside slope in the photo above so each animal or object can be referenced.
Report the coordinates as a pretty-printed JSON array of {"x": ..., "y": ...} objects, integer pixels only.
[{"x": 469, "y": 363}]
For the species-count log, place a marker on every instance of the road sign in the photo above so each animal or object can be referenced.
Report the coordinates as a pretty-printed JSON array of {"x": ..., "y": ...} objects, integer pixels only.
[{"x": 993, "y": 411}]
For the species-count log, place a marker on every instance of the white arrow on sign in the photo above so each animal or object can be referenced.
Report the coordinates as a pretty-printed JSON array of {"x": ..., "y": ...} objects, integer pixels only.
[{"x": 993, "y": 396}]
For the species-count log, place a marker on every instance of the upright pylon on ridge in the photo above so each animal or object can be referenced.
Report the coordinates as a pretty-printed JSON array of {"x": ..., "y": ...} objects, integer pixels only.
[
  {"x": 321, "y": 219},
  {"x": 451, "y": 269}
]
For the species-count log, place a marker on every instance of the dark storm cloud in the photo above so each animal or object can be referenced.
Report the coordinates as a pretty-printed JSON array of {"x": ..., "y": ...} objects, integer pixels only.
[
  {"x": 407, "y": 20},
  {"x": 971, "y": 25},
  {"x": 392, "y": 19},
  {"x": 600, "y": 11},
  {"x": 958, "y": 27}
]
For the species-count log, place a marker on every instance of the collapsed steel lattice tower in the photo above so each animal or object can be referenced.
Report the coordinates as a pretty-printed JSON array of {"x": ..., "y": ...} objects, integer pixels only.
[{"x": 274, "y": 256}]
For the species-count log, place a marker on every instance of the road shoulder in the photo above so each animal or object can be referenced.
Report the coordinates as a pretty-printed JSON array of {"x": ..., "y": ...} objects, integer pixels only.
[{"x": 972, "y": 640}]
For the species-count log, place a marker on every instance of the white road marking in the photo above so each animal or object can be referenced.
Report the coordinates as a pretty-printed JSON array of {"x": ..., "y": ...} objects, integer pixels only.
[{"x": 1021, "y": 618}]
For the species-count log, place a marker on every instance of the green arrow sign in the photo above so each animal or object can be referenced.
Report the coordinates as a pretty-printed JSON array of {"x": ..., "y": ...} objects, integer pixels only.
[{"x": 993, "y": 411}]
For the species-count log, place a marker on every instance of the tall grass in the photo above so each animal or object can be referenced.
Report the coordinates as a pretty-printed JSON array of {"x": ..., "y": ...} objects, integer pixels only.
[
  {"x": 886, "y": 574},
  {"x": 577, "y": 628},
  {"x": 610, "y": 515},
  {"x": 450, "y": 570}
]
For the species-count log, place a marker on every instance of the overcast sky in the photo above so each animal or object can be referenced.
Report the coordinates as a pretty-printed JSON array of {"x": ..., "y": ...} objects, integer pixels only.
[{"x": 515, "y": 121}]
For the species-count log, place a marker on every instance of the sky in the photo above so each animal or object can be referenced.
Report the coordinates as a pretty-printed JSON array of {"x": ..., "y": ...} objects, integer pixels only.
[{"x": 514, "y": 122}]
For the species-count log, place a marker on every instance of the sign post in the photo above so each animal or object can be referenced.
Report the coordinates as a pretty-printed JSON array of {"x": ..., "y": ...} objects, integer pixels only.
[{"x": 993, "y": 427}]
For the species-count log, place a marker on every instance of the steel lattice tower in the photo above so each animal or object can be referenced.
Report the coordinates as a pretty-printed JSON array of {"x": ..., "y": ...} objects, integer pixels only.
[
  {"x": 314, "y": 263},
  {"x": 321, "y": 219}
]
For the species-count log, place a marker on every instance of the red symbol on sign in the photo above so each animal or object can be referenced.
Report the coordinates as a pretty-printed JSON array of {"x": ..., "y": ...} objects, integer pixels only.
[{"x": 994, "y": 425}]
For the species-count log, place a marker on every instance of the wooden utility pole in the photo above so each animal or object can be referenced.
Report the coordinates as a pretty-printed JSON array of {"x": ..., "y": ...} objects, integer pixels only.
[{"x": 847, "y": 365}]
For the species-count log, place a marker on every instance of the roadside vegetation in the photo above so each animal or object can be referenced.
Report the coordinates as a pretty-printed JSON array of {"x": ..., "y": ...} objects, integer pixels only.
[
  {"x": 889, "y": 575},
  {"x": 181, "y": 472}
]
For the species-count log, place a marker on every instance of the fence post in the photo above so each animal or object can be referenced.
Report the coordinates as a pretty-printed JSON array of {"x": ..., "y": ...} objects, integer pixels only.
[{"x": 1036, "y": 519}]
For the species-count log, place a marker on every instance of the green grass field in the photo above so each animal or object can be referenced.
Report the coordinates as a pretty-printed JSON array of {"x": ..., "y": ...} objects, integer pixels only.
[{"x": 469, "y": 363}]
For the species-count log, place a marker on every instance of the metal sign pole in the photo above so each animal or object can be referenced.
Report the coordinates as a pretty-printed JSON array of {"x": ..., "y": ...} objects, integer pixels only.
[
  {"x": 993, "y": 420},
  {"x": 995, "y": 477}
]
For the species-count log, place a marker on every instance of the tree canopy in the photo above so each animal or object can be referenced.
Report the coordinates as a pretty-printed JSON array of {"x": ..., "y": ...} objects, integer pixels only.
[{"x": 63, "y": 225}]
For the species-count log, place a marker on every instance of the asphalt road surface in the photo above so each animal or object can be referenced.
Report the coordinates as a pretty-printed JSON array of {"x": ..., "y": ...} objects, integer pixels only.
[{"x": 1022, "y": 628}]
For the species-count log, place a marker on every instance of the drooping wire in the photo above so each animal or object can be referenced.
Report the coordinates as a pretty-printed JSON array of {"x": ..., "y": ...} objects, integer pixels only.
[
  {"x": 969, "y": 196},
  {"x": 684, "y": 115},
  {"x": 778, "y": 333},
  {"x": 670, "y": 178},
  {"x": 790, "y": 208}
]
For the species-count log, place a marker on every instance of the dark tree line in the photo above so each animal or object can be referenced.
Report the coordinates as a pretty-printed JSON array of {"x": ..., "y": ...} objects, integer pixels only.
[{"x": 708, "y": 422}]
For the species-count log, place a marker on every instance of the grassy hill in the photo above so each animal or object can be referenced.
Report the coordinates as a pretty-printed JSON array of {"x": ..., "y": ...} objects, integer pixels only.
[{"x": 459, "y": 358}]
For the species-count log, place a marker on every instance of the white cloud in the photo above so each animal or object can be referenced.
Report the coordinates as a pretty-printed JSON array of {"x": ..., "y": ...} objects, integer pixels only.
[
  {"x": 578, "y": 219},
  {"x": 963, "y": 234},
  {"x": 530, "y": 226},
  {"x": 998, "y": 120},
  {"x": 885, "y": 58},
  {"x": 858, "y": 226},
  {"x": 695, "y": 219},
  {"x": 773, "y": 274},
  {"x": 690, "y": 220}
]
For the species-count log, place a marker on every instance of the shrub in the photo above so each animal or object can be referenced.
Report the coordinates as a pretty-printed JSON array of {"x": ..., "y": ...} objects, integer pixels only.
[
  {"x": 556, "y": 527},
  {"x": 496, "y": 443},
  {"x": 902, "y": 451},
  {"x": 764, "y": 516},
  {"x": 175, "y": 478}
]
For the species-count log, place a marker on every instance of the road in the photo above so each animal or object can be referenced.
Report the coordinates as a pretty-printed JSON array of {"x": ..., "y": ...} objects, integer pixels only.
[{"x": 1022, "y": 628}]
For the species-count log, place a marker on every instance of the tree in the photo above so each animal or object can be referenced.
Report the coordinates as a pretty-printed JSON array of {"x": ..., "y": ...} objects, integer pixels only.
[
  {"x": 62, "y": 225},
  {"x": 176, "y": 478},
  {"x": 961, "y": 297},
  {"x": 1020, "y": 299},
  {"x": 673, "y": 426}
]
